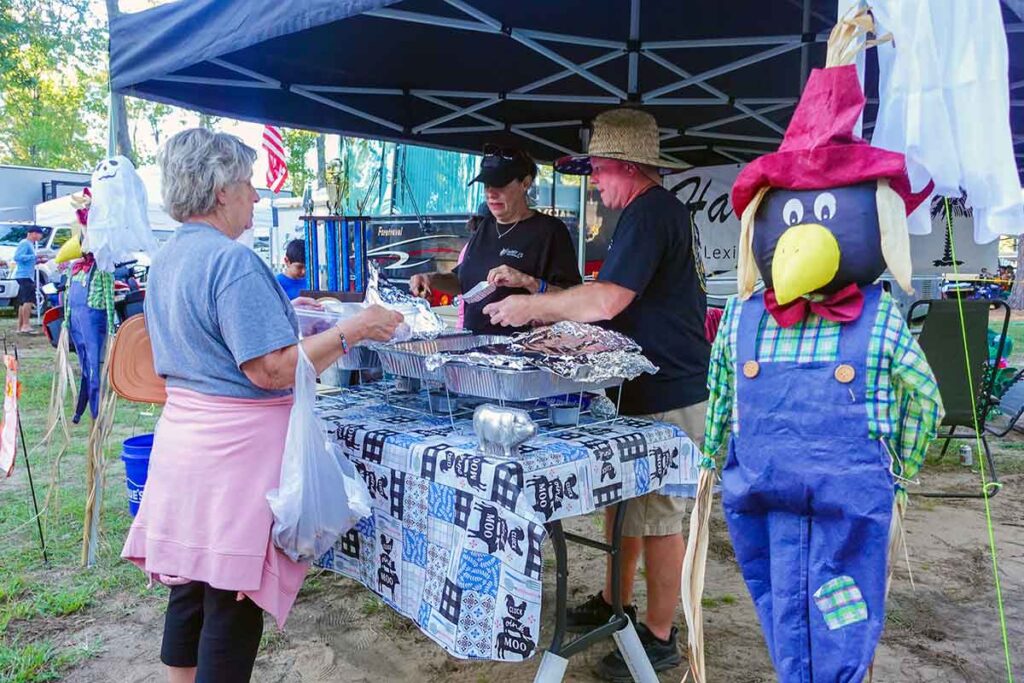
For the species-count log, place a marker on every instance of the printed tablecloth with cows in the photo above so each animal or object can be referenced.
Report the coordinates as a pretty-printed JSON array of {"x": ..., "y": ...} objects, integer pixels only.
[{"x": 454, "y": 542}]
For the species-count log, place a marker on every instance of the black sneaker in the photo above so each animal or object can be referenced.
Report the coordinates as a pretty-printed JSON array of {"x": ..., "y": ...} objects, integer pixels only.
[
  {"x": 594, "y": 612},
  {"x": 664, "y": 654}
]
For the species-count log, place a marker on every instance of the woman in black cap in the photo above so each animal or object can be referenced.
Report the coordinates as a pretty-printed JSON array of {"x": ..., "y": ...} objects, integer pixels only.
[{"x": 516, "y": 249}]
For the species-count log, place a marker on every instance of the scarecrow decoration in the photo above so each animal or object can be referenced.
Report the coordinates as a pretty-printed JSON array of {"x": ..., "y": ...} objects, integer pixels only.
[
  {"x": 830, "y": 400},
  {"x": 114, "y": 227}
]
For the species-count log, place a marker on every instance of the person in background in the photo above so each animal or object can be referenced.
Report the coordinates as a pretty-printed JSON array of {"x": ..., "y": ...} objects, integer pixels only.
[
  {"x": 293, "y": 279},
  {"x": 25, "y": 273},
  {"x": 225, "y": 338},
  {"x": 650, "y": 288},
  {"x": 516, "y": 249}
]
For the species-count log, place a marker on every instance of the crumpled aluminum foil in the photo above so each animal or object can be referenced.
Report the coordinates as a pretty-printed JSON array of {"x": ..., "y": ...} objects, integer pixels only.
[
  {"x": 420, "y": 322},
  {"x": 576, "y": 351}
]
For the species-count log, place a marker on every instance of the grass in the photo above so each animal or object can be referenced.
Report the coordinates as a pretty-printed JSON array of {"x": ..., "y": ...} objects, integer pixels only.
[
  {"x": 711, "y": 602},
  {"x": 39, "y": 602}
]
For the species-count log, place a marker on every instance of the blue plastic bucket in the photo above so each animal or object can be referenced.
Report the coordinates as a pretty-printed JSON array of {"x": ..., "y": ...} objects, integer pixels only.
[{"x": 135, "y": 454}]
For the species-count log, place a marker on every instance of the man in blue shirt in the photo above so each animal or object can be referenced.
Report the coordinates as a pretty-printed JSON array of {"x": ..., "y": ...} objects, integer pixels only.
[
  {"x": 25, "y": 274},
  {"x": 293, "y": 279}
]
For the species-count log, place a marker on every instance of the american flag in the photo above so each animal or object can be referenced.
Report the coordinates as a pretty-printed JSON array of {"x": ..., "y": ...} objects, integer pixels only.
[{"x": 277, "y": 166}]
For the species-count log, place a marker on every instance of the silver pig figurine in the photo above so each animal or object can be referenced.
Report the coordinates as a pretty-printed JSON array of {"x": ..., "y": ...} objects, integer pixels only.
[{"x": 500, "y": 431}]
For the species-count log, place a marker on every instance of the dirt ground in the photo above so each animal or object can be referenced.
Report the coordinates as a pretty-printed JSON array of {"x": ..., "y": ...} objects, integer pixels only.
[{"x": 944, "y": 627}]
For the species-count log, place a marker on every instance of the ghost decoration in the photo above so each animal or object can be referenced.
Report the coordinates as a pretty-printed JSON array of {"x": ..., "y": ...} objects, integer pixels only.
[{"x": 118, "y": 226}]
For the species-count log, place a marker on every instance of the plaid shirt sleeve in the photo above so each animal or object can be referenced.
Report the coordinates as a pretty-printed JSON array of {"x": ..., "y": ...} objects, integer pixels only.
[
  {"x": 721, "y": 381},
  {"x": 915, "y": 395}
]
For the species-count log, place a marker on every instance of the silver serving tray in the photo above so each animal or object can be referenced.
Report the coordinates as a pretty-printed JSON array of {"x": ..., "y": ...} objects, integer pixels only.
[
  {"x": 500, "y": 384},
  {"x": 408, "y": 359},
  {"x": 359, "y": 358}
]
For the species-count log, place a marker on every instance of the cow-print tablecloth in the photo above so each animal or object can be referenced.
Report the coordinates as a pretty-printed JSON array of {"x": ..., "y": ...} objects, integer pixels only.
[{"x": 454, "y": 542}]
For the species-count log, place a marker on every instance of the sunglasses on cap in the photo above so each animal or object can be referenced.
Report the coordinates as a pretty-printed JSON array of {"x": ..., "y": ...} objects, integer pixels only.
[{"x": 509, "y": 153}]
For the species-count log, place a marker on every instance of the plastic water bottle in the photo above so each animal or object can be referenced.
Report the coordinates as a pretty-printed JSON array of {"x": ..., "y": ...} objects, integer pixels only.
[{"x": 966, "y": 455}]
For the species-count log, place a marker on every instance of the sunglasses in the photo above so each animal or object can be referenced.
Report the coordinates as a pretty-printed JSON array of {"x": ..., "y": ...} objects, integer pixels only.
[{"x": 503, "y": 152}]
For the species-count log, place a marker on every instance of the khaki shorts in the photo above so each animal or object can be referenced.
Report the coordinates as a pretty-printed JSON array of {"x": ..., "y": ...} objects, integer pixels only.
[{"x": 654, "y": 514}]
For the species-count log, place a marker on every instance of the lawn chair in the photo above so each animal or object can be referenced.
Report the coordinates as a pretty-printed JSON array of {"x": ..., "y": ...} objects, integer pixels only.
[
  {"x": 1008, "y": 408},
  {"x": 943, "y": 346}
]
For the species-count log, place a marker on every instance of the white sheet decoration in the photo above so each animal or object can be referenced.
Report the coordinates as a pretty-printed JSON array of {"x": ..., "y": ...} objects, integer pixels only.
[
  {"x": 118, "y": 220},
  {"x": 944, "y": 102}
]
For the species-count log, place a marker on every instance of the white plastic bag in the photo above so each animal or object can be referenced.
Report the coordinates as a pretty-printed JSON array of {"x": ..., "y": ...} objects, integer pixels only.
[{"x": 320, "y": 497}]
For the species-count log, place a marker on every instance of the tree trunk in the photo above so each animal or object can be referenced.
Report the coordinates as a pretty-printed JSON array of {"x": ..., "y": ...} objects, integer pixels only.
[
  {"x": 1016, "y": 300},
  {"x": 321, "y": 160},
  {"x": 122, "y": 138}
]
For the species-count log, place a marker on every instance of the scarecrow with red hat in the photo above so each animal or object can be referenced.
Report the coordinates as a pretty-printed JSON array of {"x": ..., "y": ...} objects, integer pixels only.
[{"x": 830, "y": 400}]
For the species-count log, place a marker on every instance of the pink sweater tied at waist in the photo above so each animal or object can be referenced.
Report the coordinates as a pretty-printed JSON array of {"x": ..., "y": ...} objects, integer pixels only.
[{"x": 204, "y": 514}]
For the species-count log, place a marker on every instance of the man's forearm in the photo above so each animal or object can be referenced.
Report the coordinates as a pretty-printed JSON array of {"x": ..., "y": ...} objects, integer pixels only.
[{"x": 587, "y": 303}]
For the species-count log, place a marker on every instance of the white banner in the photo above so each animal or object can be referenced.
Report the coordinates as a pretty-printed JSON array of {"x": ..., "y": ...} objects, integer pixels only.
[{"x": 708, "y": 191}]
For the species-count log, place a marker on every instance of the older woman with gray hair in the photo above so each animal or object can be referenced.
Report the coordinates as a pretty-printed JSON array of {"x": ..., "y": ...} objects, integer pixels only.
[{"x": 225, "y": 337}]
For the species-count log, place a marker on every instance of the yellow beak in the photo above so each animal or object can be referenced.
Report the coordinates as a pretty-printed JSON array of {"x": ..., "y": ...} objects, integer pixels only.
[
  {"x": 806, "y": 258},
  {"x": 69, "y": 251}
]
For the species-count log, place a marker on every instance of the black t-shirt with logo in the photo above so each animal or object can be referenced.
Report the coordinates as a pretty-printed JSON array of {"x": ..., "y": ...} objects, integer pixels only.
[
  {"x": 653, "y": 254},
  {"x": 539, "y": 246}
]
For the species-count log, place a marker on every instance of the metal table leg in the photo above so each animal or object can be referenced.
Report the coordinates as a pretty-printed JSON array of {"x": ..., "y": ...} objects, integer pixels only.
[{"x": 555, "y": 660}]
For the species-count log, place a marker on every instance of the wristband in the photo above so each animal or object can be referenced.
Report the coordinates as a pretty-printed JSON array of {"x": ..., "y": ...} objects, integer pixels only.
[
  {"x": 542, "y": 286},
  {"x": 344, "y": 342}
]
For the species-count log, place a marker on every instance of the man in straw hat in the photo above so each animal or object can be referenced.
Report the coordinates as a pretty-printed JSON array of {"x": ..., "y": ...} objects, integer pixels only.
[{"x": 650, "y": 288}]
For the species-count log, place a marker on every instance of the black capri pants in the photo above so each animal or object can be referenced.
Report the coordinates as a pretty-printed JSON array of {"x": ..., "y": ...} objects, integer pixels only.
[{"x": 208, "y": 628}]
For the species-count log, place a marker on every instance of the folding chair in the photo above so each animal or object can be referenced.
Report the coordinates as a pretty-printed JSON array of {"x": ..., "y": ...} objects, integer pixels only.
[
  {"x": 943, "y": 345},
  {"x": 1010, "y": 407}
]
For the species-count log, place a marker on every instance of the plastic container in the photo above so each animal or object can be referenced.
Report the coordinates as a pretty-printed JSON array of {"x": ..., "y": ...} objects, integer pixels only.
[
  {"x": 564, "y": 414},
  {"x": 135, "y": 455},
  {"x": 313, "y": 322},
  {"x": 442, "y": 402}
]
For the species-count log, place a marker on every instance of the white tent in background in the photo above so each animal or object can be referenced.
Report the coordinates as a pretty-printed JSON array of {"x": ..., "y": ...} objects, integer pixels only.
[{"x": 59, "y": 212}]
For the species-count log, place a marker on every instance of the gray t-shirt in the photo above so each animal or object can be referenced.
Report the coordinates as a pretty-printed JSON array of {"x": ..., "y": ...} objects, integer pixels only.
[{"x": 211, "y": 305}]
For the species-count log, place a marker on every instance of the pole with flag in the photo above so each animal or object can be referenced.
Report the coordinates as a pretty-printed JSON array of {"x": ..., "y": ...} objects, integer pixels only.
[{"x": 277, "y": 162}]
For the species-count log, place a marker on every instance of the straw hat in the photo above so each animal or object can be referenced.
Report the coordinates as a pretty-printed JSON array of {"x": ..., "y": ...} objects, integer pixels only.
[{"x": 622, "y": 134}]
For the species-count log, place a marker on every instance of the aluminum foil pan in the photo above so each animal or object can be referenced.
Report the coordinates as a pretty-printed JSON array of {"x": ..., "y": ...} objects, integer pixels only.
[
  {"x": 420, "y": 322},
  {"x": 574, "y": 351},
  {"x": 408, "y": 359},
  {"x": 500, "y": 384}
]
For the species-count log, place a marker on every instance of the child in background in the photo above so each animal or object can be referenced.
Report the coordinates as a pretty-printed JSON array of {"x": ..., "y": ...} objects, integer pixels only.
[{"x": 293, "y": 279}]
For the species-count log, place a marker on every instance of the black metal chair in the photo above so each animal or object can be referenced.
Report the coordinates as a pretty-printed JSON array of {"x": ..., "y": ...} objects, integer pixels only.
[
  {"x": 1009, "y": 406},
  {"x": 960, "y": 362}
]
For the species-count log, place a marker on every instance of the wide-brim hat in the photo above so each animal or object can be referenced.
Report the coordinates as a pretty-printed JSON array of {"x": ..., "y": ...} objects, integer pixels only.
[
  {"x": 132, "y": 371},
  {"x": 821, "y": 151},
  {"x": 624, "y": 135}
]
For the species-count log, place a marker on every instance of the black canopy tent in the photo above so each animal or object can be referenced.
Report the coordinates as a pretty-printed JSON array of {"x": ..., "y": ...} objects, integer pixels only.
[{"x": 721, "y": 78}]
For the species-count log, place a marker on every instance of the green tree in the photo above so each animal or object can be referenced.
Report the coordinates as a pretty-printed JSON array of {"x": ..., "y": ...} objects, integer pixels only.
[
  {"x": 50, "y": 93},
  {"x": 297, "y": 144},
  {"x": 153, "y": 115}
]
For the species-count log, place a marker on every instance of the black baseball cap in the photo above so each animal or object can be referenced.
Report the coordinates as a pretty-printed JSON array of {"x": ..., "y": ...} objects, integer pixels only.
[
  {"x": 35, "y": 228},
  {"x": 500, "y": 166}
]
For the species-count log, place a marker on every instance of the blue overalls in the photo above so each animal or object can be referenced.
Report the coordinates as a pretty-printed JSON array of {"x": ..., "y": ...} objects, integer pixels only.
[
  {"x": 808, "y": 499},
  {"x": 88, "y": 328}
]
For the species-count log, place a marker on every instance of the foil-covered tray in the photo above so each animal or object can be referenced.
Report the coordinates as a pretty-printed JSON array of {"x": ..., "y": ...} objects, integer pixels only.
[
  {"x": 408, "y": 359},
  {"x": 499, "y": 384}
]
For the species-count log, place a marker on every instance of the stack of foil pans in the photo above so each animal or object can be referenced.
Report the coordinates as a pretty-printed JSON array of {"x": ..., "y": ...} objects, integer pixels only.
[
  {"x": 408, "y": 359},
  {"x": 498, "y": 384}
]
